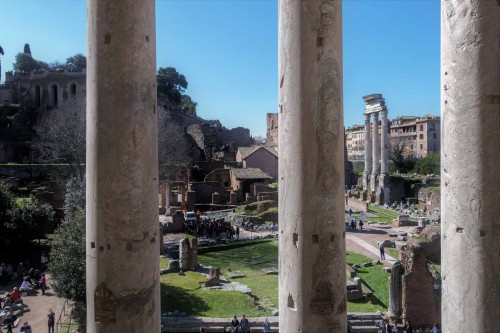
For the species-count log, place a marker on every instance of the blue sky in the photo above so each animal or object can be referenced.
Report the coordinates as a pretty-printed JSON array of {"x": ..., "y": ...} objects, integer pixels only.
[{"x": 228, "y": 51}]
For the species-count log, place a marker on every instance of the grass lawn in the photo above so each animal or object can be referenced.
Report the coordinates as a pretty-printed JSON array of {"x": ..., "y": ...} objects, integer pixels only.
[
  {"x": 384, "y": 215},
  {"x": 250, "y": 260},
  {"x": 376, "y": 278},
  {"x": 392, "y": 252},
  {"x": 186, "y": 294}
]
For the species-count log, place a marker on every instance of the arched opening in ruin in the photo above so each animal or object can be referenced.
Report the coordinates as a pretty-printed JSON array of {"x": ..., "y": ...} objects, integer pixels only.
[
  {"x": 38, "y": 96},
  {"x": 55, "y": 95}
]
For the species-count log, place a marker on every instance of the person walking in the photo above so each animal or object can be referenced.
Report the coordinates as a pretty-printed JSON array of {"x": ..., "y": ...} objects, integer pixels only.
[
  {"x": 51, "y": 320},
  {"x": 42, "y": 283},
  {"x": 382, "y": 252},
  {"x": 267, "y": 326}
]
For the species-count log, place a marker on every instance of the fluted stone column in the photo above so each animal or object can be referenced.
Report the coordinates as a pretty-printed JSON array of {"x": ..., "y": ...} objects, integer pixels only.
[
  {"x": 384, "y": 148},
  {"x": 122, "y": 168},
  {"x": 375, "y": 153},
  {"x": 368, "y": 152},
  {"x": 470, "y": 155},
  {"x": 312, "y": 290}
]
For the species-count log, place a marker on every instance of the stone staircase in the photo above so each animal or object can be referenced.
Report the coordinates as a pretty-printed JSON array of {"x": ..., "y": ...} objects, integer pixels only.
[
  {"x": 219, "y": 325},
  {"x": 363, "y": 322},
  {"x": 360, "y": 323}
]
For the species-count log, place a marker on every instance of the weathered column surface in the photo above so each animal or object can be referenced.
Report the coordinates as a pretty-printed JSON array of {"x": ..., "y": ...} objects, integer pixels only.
[
  {"x": 312, "y": 288},
  {"x": 122, "y": 168},
  {"x": 384, "y": 149},
  {"x": 375, "y": 153},
  {"x": 383, "y": 144},
  {"x": 470, "y": 155},
  {"x": 368, "y": 152},
  {"x": 395, "y": 291}
]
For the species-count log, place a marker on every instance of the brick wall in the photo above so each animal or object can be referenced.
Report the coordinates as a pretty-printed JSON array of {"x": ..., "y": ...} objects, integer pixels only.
[{"x": 421, "y": 303}]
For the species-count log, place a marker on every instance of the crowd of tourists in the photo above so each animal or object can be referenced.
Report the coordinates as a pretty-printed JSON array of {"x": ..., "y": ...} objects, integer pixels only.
[
  {"x": 211, "y": 228},
  {"x": 385, "y": 327},
  {"x": 27, "y": 280}
]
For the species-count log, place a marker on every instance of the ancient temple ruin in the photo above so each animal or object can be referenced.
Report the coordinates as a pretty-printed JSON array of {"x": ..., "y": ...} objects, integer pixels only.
[{"x": 376, "y": 173}]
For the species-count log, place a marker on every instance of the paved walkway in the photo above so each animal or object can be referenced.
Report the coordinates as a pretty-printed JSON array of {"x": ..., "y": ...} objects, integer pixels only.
[
  {"x": 367, "y": 249},
  {"x": 37, "y": 308}
]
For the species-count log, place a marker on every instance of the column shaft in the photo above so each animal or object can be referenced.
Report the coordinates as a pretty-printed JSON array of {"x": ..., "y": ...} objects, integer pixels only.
[
  {"x": 375, "y": 153},
  {"x": 384, "y": 144},
  {"x": 312, "y": 288},
  {"x": 122, "y": 168},
  {"x": 368, "y": 152},
  {"x": 470, "y": 155}
]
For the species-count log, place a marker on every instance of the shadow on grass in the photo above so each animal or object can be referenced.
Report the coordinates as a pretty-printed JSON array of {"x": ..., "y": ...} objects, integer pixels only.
[
  {"x": 374, "y": 301},
  {"x": 175, "y": 298}
]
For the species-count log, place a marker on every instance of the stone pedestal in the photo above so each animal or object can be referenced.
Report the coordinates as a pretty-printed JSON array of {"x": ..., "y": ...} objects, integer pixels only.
[
  {"x": 122, "y": 168},
  {"x": 188, "y": 254},
  {"x": 470, "y": 157},
  {"x": 312, "y": 285}
]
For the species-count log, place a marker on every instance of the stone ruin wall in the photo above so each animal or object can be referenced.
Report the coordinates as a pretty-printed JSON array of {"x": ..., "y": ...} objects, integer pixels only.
[{"x": 420, "y": 302}]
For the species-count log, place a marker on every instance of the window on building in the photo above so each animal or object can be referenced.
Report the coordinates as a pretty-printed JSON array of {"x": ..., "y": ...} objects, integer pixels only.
[
  {"x": 434, "y": 135},
  {"x": 421, "y": 146},
  {"x": 435, "y": 147},
  {"x": 421, "y": 128},
  {"x": 421, "y": 136},
  {"x": 431, "y": 127},
  {"x": 412, "y": 146}
]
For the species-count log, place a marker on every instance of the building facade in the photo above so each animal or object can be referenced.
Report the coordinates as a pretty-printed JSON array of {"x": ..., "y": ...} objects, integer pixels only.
[{"x": 418, "y": 136}]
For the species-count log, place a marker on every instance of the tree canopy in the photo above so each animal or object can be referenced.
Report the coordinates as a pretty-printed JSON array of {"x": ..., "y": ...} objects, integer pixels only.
[
  {"x": 25, "y": 63},
  {"x": 76, "y": 62},
  {"x": 171, "y": 84}
]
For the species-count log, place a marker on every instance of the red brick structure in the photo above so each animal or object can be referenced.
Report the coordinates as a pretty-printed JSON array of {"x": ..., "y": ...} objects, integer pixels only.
[{"x": 421, "y": 303}]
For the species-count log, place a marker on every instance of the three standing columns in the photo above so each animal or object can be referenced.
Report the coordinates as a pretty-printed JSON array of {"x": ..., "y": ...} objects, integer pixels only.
[
  {"x": 312, "y": 292},
  {"x": 470, "y": 155},
  {"x": 122, "y": 168}
]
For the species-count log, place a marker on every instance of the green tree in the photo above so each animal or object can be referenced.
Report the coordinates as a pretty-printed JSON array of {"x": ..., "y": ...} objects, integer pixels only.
[
  {"x": 430, "y": 164},
  {"x": 31, "y": 220},
  {"x": 188, "y": 105},
  {"x": 171, "y": 85},
  {"x": 67, "y": 257},
  {"x": 67, "y": 266},
  {"x": 76, "y": 62},
  {"x": 25, "y": 63}
]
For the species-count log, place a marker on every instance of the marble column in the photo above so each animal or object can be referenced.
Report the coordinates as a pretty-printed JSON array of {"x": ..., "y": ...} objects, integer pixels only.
[
  {"x": 470, "y": 155},
  {"x": 375, "y": 153},
  {"x": 312, "y": 292},
  {"x": 368, "y": 152},
  {"x": 384, "y": 148},
  {"x": 122, "y": 168}
]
